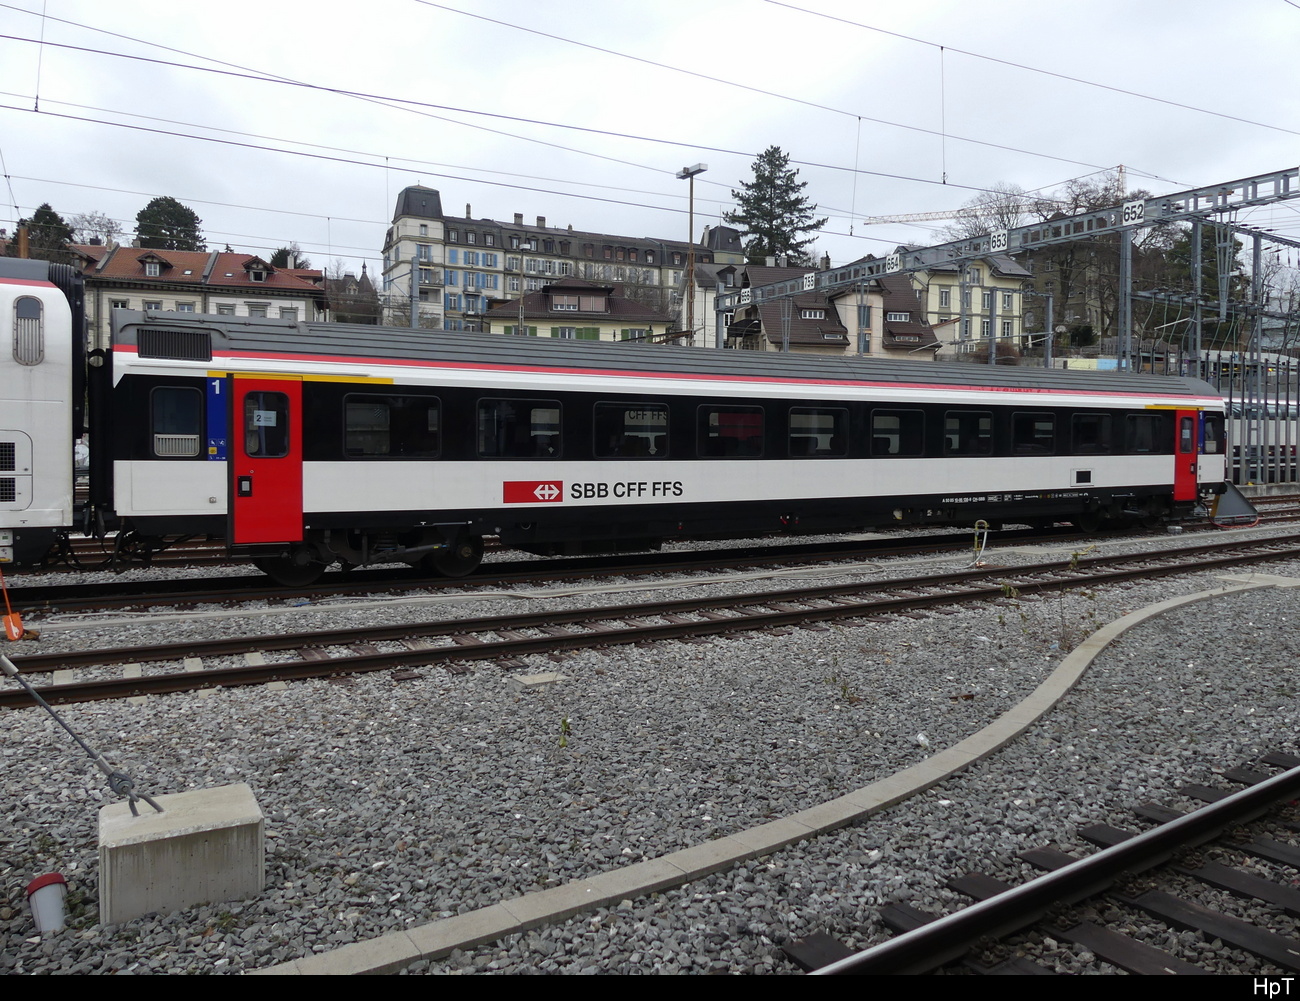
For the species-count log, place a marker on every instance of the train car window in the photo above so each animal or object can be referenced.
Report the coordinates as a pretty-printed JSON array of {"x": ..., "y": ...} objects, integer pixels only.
[
  {"x": 1213, "y": 434},
  {"x": 266, "y": 425},
  {"x": 29, "y": 331},
  {"x": 729, "y": 432},
  {"x": 176, "y": 419},
  {"x": 820, "y": 433},
  {"x": 968, "y": 432},
  {"x": 1187, "y": 435},
  {"x": 519, "y": 429},
  {"x": 405, "y": 427},
  {"x": 631, "y": 431},
  {"x": 897, "y": 432},
  {"x": 1090, "y": 434},
  {"x": 1033, "y": 434},
  {"x": 1142, "y": 434}
]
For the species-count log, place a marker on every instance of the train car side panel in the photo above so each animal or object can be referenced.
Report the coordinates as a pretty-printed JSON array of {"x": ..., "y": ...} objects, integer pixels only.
[{"x": 36, "y": 411}]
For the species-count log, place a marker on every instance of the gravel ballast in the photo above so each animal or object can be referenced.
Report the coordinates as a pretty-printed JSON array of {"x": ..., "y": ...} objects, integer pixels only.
[{"x": 391, "y": 804}]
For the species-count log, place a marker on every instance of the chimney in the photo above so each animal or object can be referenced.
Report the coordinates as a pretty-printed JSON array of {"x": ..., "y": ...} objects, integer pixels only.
[
  {"x": 826, "y": 262},
  {"x": 467, "y": 210},
  {"x": 541, "y": 222},
  {"x": 519, "y": 218},
  {"x": 771, "y": 261},
  {"x": 570, "y": 227}
]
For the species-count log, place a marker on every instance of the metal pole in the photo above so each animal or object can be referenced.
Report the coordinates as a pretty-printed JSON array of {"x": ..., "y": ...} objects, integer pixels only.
[
  {"x": 1198, "y": 321},
  {"x": 688, "y": 174},
  {"x": 720, "y": 333},
  {"x": 1125, "y": 303},
  {"x": 1255, "y": 360},
  {"x": 962, "y": 316},
  {"x": 690, "y": 262},
  {"x": 1051, "y": 334},
  {"x": 415, "y": 296},
  {"x": 993, "y": 324}
]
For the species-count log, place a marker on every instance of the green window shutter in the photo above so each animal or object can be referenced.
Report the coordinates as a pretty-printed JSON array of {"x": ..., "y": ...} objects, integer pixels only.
[
  {"x": 532, "y": 331},
  {"x": 509, "y": 329},
  {"x": 588, "y": 333},
  {"x": 555, "y": 331},
  {"x": 623, "y": 334}
]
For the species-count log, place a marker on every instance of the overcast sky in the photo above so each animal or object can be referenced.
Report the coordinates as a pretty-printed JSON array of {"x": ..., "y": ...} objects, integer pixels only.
[{"x": 877, "y": 119}]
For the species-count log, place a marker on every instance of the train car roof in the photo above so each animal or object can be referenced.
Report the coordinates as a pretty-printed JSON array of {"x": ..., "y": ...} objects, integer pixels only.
[{"x": 233, "y": 336}]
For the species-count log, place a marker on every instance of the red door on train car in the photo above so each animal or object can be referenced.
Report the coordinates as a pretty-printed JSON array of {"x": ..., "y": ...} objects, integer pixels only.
[
  {"x": 1186, "y": 438},
  {"x": 266, "y": 461}
]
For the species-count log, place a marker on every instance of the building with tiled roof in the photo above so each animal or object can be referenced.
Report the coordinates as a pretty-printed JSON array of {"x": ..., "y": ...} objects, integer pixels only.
[
  {"x": 188, "y": 281},
  {"x": 576, "y": 309},
  {"x": 903, "y": 325},
  {"x": 462, "y": 265},
  {"x": 808, "y": 323},
  {"x": 974, "y": 301}
]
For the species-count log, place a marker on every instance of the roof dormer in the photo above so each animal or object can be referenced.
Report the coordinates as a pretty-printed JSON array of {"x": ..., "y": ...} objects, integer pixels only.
[
  {"x": 257, "y": 269},
  {"x": 154, "y": 264}
]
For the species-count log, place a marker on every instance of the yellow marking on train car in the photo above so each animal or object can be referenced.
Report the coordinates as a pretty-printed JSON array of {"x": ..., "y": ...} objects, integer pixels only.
[
  {"x": 371, "y": 379},
  {"x": 1172, "y": 406},
  {"x": 378, "y": 380}
]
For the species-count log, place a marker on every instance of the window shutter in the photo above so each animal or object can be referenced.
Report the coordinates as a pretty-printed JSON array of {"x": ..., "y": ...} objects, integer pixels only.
[{"x": 555, "y": 331}]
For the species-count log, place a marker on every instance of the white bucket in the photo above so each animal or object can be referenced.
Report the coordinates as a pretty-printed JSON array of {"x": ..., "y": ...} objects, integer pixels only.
[{"x": 45, "y": 897}]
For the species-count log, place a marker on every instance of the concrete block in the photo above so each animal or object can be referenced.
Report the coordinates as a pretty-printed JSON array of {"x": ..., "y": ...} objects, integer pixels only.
[
  {"x": 208, "y": 846},
  {"x": 530, "y": 682}
]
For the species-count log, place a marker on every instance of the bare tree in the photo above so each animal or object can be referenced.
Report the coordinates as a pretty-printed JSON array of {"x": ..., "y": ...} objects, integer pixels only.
[
  {"x": 1003, "y": 206},
  {"x": 87, "y": 226}
]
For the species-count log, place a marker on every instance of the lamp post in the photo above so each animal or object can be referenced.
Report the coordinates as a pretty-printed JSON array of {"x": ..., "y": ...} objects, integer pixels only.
[{"x": 688, "y": 174}]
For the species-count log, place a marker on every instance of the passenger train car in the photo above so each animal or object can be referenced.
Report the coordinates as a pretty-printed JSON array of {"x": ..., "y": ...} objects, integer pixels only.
[{"x": 304, "y": 444}]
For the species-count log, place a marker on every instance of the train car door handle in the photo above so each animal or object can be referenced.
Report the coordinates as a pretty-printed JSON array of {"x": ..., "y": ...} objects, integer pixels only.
[{"x": 244, "y": 486}]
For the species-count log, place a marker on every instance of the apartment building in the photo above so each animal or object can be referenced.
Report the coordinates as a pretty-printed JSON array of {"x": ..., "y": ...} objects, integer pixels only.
[{"x": 458, "y": 267}]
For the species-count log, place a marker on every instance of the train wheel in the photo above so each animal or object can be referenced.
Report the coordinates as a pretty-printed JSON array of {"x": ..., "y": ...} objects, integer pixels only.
[
  {"x": 459, "y": 559},
  {"x": 285, "y": 572},
  {"x": 1089, "y": 522}
]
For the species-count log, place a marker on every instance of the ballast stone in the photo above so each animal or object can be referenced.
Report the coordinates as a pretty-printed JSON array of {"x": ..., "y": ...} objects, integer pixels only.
[{"x": 208, "y": 846}]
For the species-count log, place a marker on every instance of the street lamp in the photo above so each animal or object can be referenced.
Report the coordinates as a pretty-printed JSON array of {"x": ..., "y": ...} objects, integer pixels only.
[{"x": 688, "y": 174}]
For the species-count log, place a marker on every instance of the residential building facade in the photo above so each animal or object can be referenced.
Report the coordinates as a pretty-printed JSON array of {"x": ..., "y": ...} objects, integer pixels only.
[
  {"x": 971, "y": 303},
  {"x": 576, "y": 309},
  {"x": 462, "y": 266},
  {"x": 184, "y": 281}
]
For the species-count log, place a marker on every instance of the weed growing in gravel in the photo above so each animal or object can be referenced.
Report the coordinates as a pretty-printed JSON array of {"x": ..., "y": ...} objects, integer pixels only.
[
  {"x": 1078, "y": 554},
  {"x": 1071, "y": 633},
  {"x": 565, "y": 730}
]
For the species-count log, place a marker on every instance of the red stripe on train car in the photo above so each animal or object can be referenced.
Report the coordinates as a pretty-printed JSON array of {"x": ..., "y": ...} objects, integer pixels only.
[{"x": 685, "y": 376}]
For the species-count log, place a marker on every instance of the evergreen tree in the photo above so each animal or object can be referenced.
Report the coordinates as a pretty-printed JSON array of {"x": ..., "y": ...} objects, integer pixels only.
[
  {"x": 773, "y": 212},
  {"x": 285, "y": 256},
  {"x": 166, "y": 224},
  {"x": 48, "y": 236}
]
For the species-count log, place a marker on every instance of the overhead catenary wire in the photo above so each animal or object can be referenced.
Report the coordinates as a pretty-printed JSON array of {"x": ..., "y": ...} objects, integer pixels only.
[{"x": 414, "y": 103}]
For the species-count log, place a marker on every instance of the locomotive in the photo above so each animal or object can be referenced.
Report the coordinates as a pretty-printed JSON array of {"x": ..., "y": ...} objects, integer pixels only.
[{"x": 304, "y": 445}]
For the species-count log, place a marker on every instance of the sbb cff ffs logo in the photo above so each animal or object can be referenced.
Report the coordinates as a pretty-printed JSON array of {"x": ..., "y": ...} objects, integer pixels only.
[{"x": 532, "y": 491}]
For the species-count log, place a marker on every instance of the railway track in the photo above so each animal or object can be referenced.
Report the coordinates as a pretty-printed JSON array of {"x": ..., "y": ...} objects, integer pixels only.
[
  {"x": 78, "y": 597},
  {"x": 1087, "y": 901},
  {"x": 507, "y": 638},
  {"x": 207, "y": 590}
]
